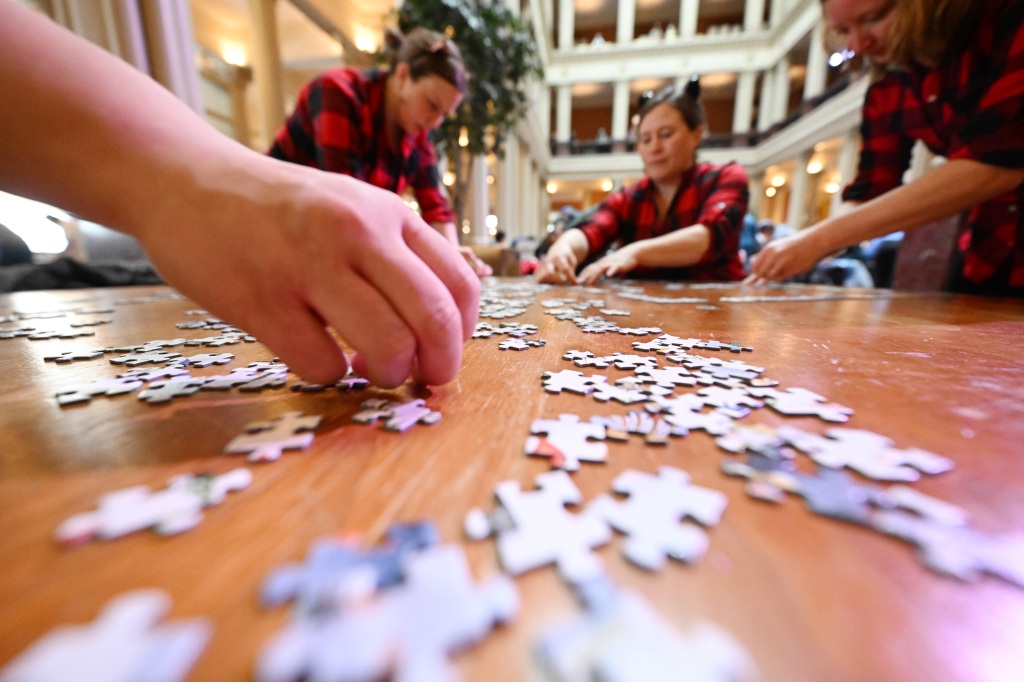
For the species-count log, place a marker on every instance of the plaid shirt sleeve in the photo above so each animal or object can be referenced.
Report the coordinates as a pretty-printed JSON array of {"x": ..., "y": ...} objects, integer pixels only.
[
  {"x": 725, "y": 196},
  {"x": 885, "y": 150},
  {"x": 602, "y": 227},
  {"x": 330, "y": 127},
  {"x": 994, "y": 129}
]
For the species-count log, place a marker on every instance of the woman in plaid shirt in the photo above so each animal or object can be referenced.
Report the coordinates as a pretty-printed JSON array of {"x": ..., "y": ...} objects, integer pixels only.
[
  {"x": 952, "y": 76},
  {"x": 375, "y": 125},
  {"x": 681, "y": 221}
]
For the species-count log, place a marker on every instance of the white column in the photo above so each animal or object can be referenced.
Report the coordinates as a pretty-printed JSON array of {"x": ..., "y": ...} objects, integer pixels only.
[
  {"x": 267, "y": 67},
  {"x": 848, "y": 156},
  {"x": 527, "y": 192},
  {"x": 814, "y": 80},
  {"x": 481, "y": 200},
  {"x": 755, "y": 186},
  {"x": 566, "y": 24},
  {"x": 744, "y": 106},
  {"x": 563, "y": 114},
  {"x": 780, "y": 98},
  {"x": 626, "y": 22},
  {"x": 509, "y": 190},
  {"x": 171, "y": 44},
  {"x": 688, "y": 10},
  {"x": 798, "y": 192},
  {"x": 775, "y": 12},
  {"x": 620, "y": 111},
  {"x": 753, "y": 15},
  {"x": 765, "y": 107}
]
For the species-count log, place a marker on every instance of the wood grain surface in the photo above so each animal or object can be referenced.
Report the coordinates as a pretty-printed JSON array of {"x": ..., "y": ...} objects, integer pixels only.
[{"x": 809, "y": 597}]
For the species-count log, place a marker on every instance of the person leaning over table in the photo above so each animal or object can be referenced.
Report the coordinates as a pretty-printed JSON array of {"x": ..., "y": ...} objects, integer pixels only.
[
  {"x": 375, "y": 125},
  {"x": 951, "y": 74},
  {"x": 681, "y": 221},
  {"x": 286, "y": 252}
]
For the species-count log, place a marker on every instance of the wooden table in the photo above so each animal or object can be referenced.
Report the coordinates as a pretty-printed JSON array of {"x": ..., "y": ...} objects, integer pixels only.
[{"x": 809, "y": 597}]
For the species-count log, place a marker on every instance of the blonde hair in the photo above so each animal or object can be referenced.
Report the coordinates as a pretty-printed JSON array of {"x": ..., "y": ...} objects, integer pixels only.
[{"x": 925, "y": 30}]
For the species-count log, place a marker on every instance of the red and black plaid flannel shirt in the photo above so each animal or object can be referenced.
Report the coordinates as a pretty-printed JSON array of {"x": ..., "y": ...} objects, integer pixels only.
[
  {"x": 970, "y": 107},
  {"x": 338, "y": 126},
  {"x": 713, "y": 196}
]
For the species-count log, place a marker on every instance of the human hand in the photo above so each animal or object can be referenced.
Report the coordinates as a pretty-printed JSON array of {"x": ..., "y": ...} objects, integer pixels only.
[
  {"x": 618, "y": 262},
  {"x": 558, "y": 266},
  {"x": 786, "y": 257},
  {"x": 288, "y": 253},
  {"x": 481, "y": 268}
]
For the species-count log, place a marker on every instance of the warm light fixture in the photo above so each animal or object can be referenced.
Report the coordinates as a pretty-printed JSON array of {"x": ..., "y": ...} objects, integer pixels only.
[
  {"x": 234, "y": 53},
  {"x": 832, "y": 188},
  {"x": 463, "y": 137},
  {"x": 490, "y": 179},
  {"x": 770, "y": 192},
  {"x": 551, "y": 187},
  {"x": 607, "y": 185},
  {"x": 491, "y": 221},
  {"x": 778, "y": 180},
  {"x": 814, "y": 166},
  {"x": 448, "y": 179}
]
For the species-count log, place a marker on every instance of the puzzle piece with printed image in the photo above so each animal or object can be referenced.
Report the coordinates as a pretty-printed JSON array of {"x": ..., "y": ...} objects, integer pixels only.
[
  {"x": 406, "y": 633},
  {"x": 567, "y": 441},
  {"x": 266, "y": 441},
  {"x": 318, "y": 582},
  {"x": 126, "y": 643},
  {"x": 800, "y": 402},
  {"x": 656, "y": 431},
  {"x": 174, "y": 509},
  {"x": 534, "y": 529},
  {"x": 869, "y": 454},
  {"x": 652, "y": 515},
  {"x": 956, "y": 550},
  {"x": 395, "y": 415}
]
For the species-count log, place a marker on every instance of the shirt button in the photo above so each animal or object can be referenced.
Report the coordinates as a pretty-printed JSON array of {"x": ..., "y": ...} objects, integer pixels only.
[
  {"x": 931, "y": 99},
  {"x": 1012, "y": 208}
]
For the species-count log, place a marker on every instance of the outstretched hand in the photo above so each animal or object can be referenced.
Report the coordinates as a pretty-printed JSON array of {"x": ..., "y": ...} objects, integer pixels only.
[
  {"x": 289, "y": 253},
  {"x": 785, "y": 257}
]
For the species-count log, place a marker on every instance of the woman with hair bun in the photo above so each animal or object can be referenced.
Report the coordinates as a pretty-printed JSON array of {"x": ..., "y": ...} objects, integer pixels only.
[
  {"x": 681, "y": 221},
  {"x": 374, "y": 125}
]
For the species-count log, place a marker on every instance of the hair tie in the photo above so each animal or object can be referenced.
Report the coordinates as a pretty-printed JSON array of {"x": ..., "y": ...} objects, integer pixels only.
[{"x": 439, "y": 46}]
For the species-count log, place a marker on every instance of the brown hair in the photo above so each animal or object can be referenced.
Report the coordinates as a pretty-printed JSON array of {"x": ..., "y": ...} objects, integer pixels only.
[
  {"x": 925, "y": 30},
  {"x": 685, "y": 99},
  {"x": 427, "y": 53}
]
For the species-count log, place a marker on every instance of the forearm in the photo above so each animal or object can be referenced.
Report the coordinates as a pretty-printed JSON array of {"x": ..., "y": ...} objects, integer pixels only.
[
  {"x": 953, "y": 187},
  {"x": 675, "y": 249},
  {"x": 574, "y": 241},
  {"x": 85, "y": 131}
]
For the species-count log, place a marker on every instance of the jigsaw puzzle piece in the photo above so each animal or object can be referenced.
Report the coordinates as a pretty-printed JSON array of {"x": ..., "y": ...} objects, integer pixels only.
[
  {"x": 621, "y": 638},
  {"x": 265, "y": 441},
  {"x": 316, "y": 583},
  {"x": 537, "y": 529},
  {"x": 407, "y": 633},
  {"x": 652, "y": 516},
  {"x": 175, "y": 509},
  {"x": 396, "y": 416},
  {"x": 126, "y": 643},
  {"x": 956, "y": 550},
  {"x": 867, "y": 453},
  {"x": 567, "y": 441}
]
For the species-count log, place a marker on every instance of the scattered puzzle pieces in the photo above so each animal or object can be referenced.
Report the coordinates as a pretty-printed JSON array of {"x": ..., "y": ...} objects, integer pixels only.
[
  {"x": 126, "y": 643},
  {"x": 265, "y": 441},
  {"x": 396, "y": 416},
  {"x": 175, "y": 509}
]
